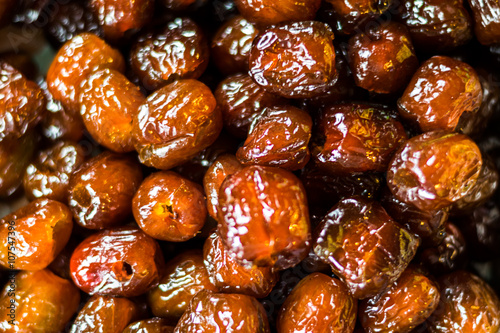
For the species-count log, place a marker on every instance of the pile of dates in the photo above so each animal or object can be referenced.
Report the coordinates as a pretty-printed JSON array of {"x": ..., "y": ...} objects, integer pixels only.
[{"x": 251, "y": 166}]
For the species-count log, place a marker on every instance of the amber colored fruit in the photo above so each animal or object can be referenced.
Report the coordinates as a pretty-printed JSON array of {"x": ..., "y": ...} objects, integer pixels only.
[
  {"x": 225, "y": 165},
  {"x": 180, "y": 51},
  {"x": 117, "y": 18},
  {"x": 356, "y": 138},
  {"x": 241, "y": 100},
  {"x": 231, "y": 45},
  {"x": 169, "y": 207},
  {"x": 367, "y": 250},
  {"x": 43, "y": 302},
  {"x": 263, "y": 217},
  {"x": 117, "y": 262},
  {"x": 183, "y": 277},
  {"x": 212, "y": 312},
  {"x": 60, "y": 264},
  {"x": 382, "y": 58},
  {"x": 279, "y": 137},
  {"x": 436, "y": 25},
  {"x": 231, "y": 277},
  {"x": 487, "y": 20},
  {"x": 268, "y": 12},
  {"x": 401, "y": 308},
  {"x": 48, "y": 175},
  {"x": 352, "y": 15},
  {"x": 101, "y": 191},
  {"x": 105, "y": 314},
  {"x": 435, "y": 169},
  {"x": 108, "y": 103},
  {"x": 153, "y": 325},
  {"x": 76, "y": 59},
  {"x": 22, "y": 61},
  {"x": 318, "y": 303},
  {"x": 295, "y": 60},
  {"x": 35, "y": 234},
  {"x": 439, "y": 93},
  {"x": 467, "y": 304},
  {"x": 449, "y": 255},
  {"x": 15, "y": 156},
  {"x": 22, "y": 105},
  {"x": 176, "y": 123}
]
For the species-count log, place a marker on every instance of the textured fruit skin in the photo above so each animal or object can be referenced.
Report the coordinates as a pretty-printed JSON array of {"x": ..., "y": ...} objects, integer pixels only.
[
  {"x": 382, "y": 59},
  {"x": 22, "y": 105},
  {"x": 180, "y": 51},
  {"x": 108, "y": 103},
  {"x": 105, "y": 314},
  {"x": 101, "y": 191},
  {"x": 436, "y": 25},
  {"x": 210, "y": 312},
  {"x": 224, "y": 166},
  {"x": 441, "y": 90},
  {"x": 153, "y": 325},
  {"x": 240, "y": 100},
  {"x": 294, "y": 60},
  {"x": 175, "y": 123},
  {"x": 404, "y": 306},
  {"x": 231, "y": 45},
  {"x": 467, "y": 304},
  {"x": 117, "y": 262},
  {"x": 40, "y": 230},
  {"x": 356, "y": 138},
  {"x": 264, "y": 218},
  {"x": 434, "y": 169},
  {"x": 48, "y": 175},
  {"x": 231, "y": 277},
  {"x": 119, "y": 17},
  {"x": 318, "y": 303},
  {"x": 169, "y": 207},
  {"x": 487, "y": 22},
  {"x": 279, "y": 137},
  {"x": 367, "y": 250},
  {"x": 183, "y": 277},
  {"x": 76, "y": 59},
  {"x": 269, "y": 12}
]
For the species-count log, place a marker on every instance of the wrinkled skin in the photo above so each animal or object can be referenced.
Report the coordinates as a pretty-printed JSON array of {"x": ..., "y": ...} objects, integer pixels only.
[
  {"x": 169, "y": 207},
  {"x": 295, "y": 60},
  {"x": 467, "y": 304},
  {"x": 35, "y": 234},
  {"x": 22, "y": 61},
  {"x": 241, "y": 100},
  {"x": 117, "y": 18},
  {"x": 22, "y": 105},
  {"x": 231, "y": 45},
  {"x": 43, "y": 302},
  {"x": 401, "y": 308},
  {"x": 439, "y": 93},
  {"x": 117, "y": 262},
  {"x": 183, "y": 277},
  {"x": 279, "y": 137},
  {"x": 176, "y": 123},
  {"x": 180, "y": 51},
  {"x": 487, "y": 20},
  {"x": 269, "y": 12},
  {"x": 48, "y": 175},
  {"x": 231, "y": 277},
  {"x": 76, "y": 59},
  {"x": 435, "y": 169},
  {"x": 356, "y": 138},
  {"x": 209, "y": 312},
  {"x": 319, "y": 304},
  {"x": 101, "y": 191},
  {"x": 225, "y": 165},
  {"x": 104, "y": 314},
  {"x": 153, "y": 325},
  {"x": 367, "y": 250},
  {"x": 436, "y": 25},
  {"x": 382, "y": 59},
  {"x": 263, "y": 217},
  {"x": 108, "y": 103}
]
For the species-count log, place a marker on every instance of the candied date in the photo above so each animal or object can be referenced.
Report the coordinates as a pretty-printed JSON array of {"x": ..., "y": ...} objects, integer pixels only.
[{"x": 268, "y": 12}]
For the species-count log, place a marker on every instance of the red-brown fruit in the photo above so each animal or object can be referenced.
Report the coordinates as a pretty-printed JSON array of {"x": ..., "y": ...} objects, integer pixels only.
[
  {"x": 153, "y": 325},
  {"x": 269, "y": 12},
  {"x": 487, "y": 20}
]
